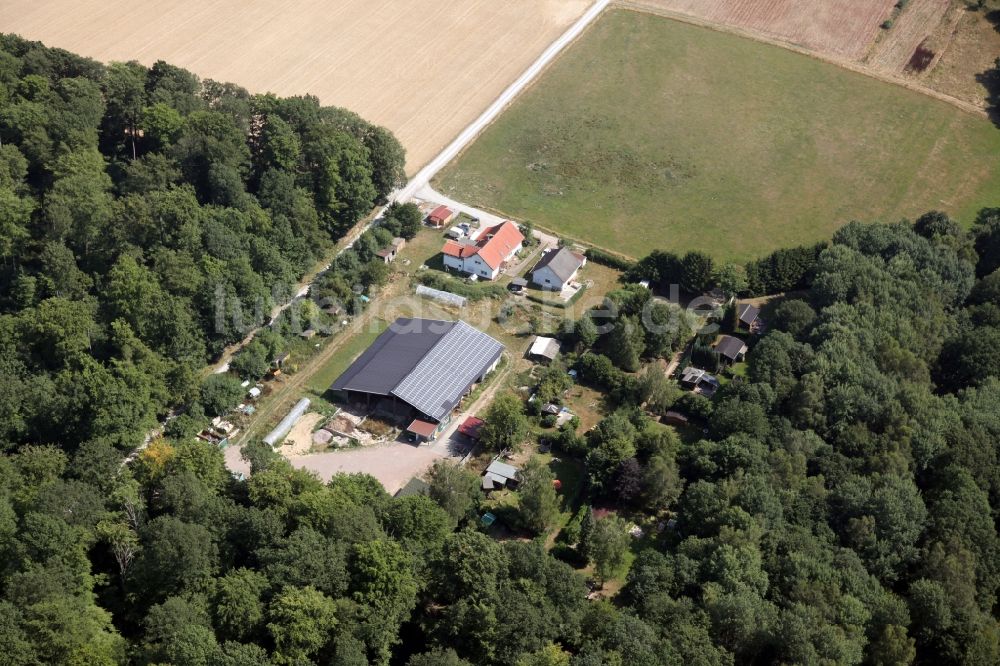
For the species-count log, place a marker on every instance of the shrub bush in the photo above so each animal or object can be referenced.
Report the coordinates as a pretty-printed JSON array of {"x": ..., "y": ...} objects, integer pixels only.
[
  {"x": 471, "y": 291},
  {"x": 607, "y": 259}
]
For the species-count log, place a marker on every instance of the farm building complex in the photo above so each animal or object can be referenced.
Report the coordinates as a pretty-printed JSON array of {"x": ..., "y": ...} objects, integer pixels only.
[{"x": 423, "y": 368}]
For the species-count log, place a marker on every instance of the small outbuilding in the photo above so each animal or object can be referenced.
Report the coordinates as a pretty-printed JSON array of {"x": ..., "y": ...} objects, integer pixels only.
[
  {"x": 544, "y": 349},
  {"x": 500, "y": 475},
  {"x": 517, "y": 285},
  {"x": 697, "y": 379},
  {"x": 731, "y": 349},
  {"x": 674, "y": 418},
  {"x": 415, "y": 486},
  {"x": 389, "y": 252},
  {"x": 422, "y": 431},
  {"x": 472, "y": 428},
  {"x": 440, "y": 216},
  {"x": 748, "y": 315}
]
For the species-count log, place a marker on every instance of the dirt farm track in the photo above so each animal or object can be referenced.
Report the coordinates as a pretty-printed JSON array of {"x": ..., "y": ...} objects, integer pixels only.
[{"x": 423, "y": 68}]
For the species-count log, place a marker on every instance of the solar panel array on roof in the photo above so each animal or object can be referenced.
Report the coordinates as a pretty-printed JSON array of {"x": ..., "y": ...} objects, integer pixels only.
[{"x": 447, "y": 371}]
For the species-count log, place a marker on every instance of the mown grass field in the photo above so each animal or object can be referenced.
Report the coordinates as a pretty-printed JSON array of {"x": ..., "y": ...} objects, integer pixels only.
[{"x": 649, "y": 133}]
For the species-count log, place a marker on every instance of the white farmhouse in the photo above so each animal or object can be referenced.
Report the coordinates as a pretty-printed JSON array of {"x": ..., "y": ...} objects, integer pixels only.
[{"x": 487, "y": 255}]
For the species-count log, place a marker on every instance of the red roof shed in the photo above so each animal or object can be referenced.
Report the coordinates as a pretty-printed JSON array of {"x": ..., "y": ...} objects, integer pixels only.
[
  {"x": 472, "y": 427},
  {"x": 440, "y": 215}
]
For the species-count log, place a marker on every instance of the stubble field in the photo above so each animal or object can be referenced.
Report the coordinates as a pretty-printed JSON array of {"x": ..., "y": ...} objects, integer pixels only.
[
  {"x": 841, "y": 28},
  {"x": 423, "y": 68},
  {"x": 653, "y": 133}
]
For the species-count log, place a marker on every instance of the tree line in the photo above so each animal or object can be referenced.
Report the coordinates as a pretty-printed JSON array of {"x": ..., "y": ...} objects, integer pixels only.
[
  {"x": 148, "y": 219},
  {"x": 843, "y": 505}
]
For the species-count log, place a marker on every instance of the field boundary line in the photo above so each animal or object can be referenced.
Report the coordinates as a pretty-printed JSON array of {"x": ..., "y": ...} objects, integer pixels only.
[
  {"x": 467, "y": 136},
  {"x": 850, "y": 65}
]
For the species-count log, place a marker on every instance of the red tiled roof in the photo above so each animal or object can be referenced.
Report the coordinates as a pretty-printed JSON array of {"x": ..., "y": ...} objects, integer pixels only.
[
  {"x": 493, "y": 245},
  {"x": 440, "y": 213},
  {"x": 460, "y": 250},
  {"x": 422, "y": 428},
  {"x": 498, "y": 242},
  {"x": 471, "y": 427}
]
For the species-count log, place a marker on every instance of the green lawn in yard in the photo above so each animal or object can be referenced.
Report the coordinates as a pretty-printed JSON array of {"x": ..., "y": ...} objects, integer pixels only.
[
  {"x": 650, "y": 133},
  {"x": 570, "y": 473},
  {"x": 343, "y": 357}
]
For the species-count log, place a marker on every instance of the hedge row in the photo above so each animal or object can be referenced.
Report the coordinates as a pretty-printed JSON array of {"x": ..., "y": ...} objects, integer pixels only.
[
  {"x": 471, "y": 290},
  {"x": 608, "y": 259}
]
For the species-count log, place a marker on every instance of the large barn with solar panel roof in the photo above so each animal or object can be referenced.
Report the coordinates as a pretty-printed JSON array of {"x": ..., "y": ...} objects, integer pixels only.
[{"x": 424, "y": 367}]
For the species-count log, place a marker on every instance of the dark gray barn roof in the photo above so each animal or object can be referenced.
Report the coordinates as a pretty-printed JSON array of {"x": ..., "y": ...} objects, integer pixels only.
[
  {"x": 392, "y": 356},
  {"x": 428, "y": 364}
]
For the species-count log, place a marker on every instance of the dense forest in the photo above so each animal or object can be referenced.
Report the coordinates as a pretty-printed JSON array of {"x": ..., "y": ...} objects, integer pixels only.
[
  {"x": 147, "y": 220},
  {"x": 839, "y": 505}
]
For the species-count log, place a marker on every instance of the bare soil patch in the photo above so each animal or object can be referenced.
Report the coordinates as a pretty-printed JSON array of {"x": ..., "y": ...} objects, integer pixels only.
[
  {"x": 299, "y": 439},
  {"x": 840, "y": 28},
  {"x": 423, "y": 68}
]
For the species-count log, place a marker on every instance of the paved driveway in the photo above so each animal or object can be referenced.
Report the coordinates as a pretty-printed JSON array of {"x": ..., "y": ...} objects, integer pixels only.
[{"x": 393, "y": 464}]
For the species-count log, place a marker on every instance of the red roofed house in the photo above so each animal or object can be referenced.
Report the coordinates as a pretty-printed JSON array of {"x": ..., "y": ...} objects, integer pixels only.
[
  {"x": 440, "y": 216},
  {"x": 485, "y": 256}
]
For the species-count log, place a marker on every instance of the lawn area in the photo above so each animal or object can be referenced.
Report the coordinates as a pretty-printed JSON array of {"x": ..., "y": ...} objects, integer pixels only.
[{"x": 650, "y": 133}]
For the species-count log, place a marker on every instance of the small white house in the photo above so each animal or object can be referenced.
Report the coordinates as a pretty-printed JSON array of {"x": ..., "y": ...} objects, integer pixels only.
[{"x": 557, "y": 268}]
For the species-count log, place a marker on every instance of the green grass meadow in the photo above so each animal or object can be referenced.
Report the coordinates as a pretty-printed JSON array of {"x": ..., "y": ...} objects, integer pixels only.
[{"x": 650, "y": 133}]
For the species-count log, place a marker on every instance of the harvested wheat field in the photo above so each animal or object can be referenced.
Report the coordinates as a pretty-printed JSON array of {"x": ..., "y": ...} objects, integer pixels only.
[
  {"x": 423, "y": 68},
  {"x": 967, "y": 47},
  {"x": 835, "y": 28},
  {"x": 915, "y": 23}
]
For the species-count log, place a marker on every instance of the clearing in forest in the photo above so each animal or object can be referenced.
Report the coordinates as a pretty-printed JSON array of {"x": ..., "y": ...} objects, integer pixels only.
[
  {"x": 423, "y": 68},
  {"x": 651, "y": 133}
]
